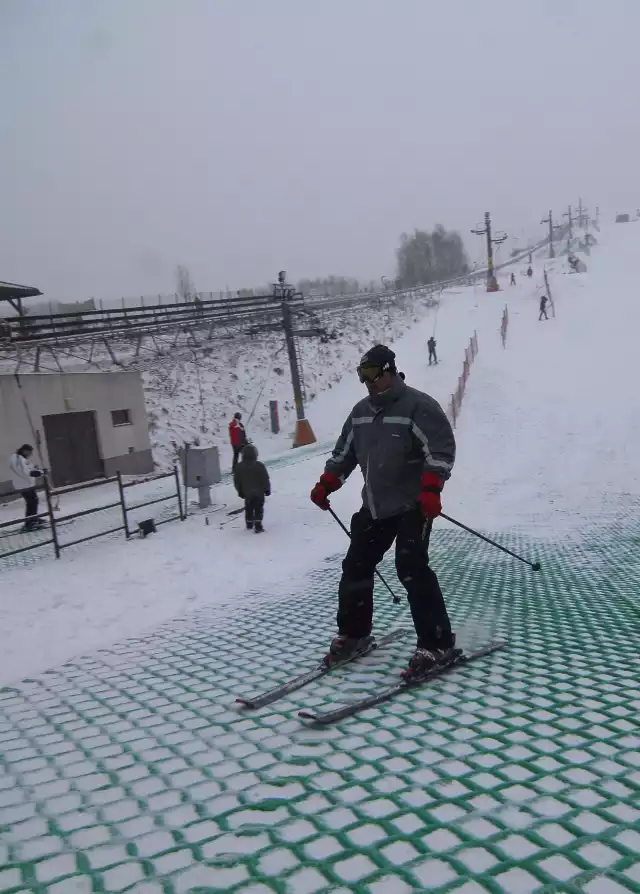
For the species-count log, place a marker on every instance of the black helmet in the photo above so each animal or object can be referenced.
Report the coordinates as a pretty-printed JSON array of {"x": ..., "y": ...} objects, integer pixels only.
[
  {"x": 237, "y": 415},
  {"x": 380, "y": 358}
]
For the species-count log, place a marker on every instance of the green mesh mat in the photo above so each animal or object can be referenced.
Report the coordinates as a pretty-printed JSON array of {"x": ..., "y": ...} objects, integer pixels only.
[{"x": 132, "y": 769}]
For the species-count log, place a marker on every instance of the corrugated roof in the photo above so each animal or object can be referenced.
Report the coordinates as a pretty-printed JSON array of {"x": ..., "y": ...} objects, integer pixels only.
[{"x": 11, "y": 290}]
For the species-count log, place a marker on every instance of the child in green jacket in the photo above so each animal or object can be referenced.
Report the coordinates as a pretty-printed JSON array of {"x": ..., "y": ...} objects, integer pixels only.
[{"x": 252, "y": 483}]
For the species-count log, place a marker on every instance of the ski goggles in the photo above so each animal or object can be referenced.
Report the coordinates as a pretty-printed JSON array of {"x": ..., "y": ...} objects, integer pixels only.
[{"x": 367, "y": 373}]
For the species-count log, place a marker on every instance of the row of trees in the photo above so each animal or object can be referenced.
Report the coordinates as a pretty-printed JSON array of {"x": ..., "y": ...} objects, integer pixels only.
[{"x": 423, "y": 257}]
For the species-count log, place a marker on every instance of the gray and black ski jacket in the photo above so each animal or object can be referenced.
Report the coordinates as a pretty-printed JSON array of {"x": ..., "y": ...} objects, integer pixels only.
[{"x": 394, "y": 437}]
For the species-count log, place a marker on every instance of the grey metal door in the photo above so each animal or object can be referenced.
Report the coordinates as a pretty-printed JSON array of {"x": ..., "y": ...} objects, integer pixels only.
[{"x": 72, "y": 444}]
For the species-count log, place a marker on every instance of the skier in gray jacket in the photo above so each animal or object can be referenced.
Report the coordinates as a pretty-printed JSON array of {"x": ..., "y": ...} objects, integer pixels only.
[{"x": 404, "y": 445}]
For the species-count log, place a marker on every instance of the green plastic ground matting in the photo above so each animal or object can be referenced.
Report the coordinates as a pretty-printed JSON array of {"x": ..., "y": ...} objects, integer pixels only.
[{"x": 133, "y": 770}]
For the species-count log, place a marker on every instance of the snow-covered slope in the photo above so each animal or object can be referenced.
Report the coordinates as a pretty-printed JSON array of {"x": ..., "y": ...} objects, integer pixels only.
[
  {"x": 546, "y": 441},
  {"x": 550, "y": 429}
]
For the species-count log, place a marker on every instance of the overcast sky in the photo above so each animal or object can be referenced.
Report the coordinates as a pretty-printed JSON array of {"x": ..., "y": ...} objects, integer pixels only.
[{"x": 240, "y": 137}]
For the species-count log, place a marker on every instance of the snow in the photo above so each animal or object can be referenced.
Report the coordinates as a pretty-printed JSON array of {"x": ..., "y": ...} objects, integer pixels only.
[
  {"x": 547, "y": 443},
  {"x": 561, "y": 400}
]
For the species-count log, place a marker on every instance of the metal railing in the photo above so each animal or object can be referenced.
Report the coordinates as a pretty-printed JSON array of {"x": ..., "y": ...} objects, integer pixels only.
[
  {"x": 139, "y": 320},
  {"x": 55, "y": 522},
  {"x": 41, "y": 328}
]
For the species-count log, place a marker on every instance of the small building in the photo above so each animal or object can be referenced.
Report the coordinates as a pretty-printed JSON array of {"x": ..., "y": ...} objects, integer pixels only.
[
  {"x": 84, "y": 425},
  {"x": 622, "y": 218}
]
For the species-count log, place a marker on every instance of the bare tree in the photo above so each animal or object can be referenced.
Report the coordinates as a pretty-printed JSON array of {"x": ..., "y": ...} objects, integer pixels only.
[
  {"x": 184, "y": 284},
  {"x": 329, "y": 285}
]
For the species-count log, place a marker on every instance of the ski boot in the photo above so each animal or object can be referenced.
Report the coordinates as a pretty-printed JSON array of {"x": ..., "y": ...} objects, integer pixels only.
[
  {"x": 343, "y": 647},
  {"x": 426, "y": 659},
  {"x": 258, "y": 528},
  {"x": 249, "y": 526}
]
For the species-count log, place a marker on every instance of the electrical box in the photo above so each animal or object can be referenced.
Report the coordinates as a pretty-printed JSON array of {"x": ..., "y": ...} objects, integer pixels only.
[{"x": 200, "y": 466}]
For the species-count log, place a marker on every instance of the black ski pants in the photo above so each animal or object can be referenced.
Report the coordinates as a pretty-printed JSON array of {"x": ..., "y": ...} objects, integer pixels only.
[
  {"x": 237, "y": 452},
  {"x": 254, "y": 509},
  {"x": 432, "y": 356},
  {"x": 30, "y": 497},
  {"x": 543, "y": 314},
  {"x": 370, "y": 540}
]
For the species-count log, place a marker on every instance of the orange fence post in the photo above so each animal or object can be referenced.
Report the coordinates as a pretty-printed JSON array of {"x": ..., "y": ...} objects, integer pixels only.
[{"x": 456, "y": 398}]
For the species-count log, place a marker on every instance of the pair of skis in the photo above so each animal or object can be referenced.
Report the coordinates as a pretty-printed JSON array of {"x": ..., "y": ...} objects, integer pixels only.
[{"x": 324, "y": 718}]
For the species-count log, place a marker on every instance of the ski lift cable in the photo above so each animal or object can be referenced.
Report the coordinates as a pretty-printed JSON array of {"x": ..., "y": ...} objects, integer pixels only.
[
  {"x": 264, "y": 383},
  {"x": 435, "y": 317},
  {"x": 200, "y": 392}
]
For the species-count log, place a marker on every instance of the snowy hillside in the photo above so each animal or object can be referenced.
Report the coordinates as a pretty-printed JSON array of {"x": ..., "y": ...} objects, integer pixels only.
[{"x": 194, "y": 398}]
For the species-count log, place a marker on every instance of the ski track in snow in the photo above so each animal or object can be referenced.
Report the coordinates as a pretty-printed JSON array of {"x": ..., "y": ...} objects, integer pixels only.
[{"x": 547, "y": 444}]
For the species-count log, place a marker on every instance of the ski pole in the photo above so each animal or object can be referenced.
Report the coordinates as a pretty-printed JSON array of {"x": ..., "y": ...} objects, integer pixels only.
[
  {"x": 534, "y": 565},
  {"x": 396, "y": 598}
]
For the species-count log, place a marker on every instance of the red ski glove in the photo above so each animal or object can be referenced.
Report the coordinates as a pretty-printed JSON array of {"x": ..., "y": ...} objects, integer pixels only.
[
  {"x": 327, "y": 485},
  {"x": 429, "y": 499}
]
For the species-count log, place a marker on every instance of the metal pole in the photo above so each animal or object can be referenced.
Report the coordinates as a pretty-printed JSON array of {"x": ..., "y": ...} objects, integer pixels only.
[
  {"x": 293, "y": 360},
  {"x": 570, "y": 231},
  {"x": 52, "y": 521},
  {"x": 123, "y": 506},
  {"x": 186, "y": 478},
  {"x": 548, "y": 287},
  {"x": 178, "y": 491},
  {"x": 549, "y": 220},
  {"x": 534, "y": 565},
  {"x": 396, "y": 598},
  {"x": 490, "y": 272},
  {"x": 492, "y": 282}
]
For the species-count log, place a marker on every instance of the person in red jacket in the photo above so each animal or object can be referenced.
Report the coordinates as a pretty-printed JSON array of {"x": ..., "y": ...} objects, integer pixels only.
[{"x": 238, "y": 438}]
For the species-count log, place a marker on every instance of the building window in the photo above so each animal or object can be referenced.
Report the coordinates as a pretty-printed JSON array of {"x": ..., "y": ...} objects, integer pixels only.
[{"x": 121, "y": 417}]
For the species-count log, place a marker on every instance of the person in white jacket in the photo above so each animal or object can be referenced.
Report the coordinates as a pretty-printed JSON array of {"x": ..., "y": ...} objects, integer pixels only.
[{"x": 23, "y": 477}]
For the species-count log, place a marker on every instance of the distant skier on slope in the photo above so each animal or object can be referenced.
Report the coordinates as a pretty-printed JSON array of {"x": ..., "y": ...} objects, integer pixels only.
[
  {"x": 237, "y": 437},
  {"x": 543, "y": 308},
  {"x": 404, "y": 444},
  {"x": 251, "y": 481},
  {"x": 529, "y": 271},
  {"x": 431, "y": 344},
  {"x": 513, "y": 279}
]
